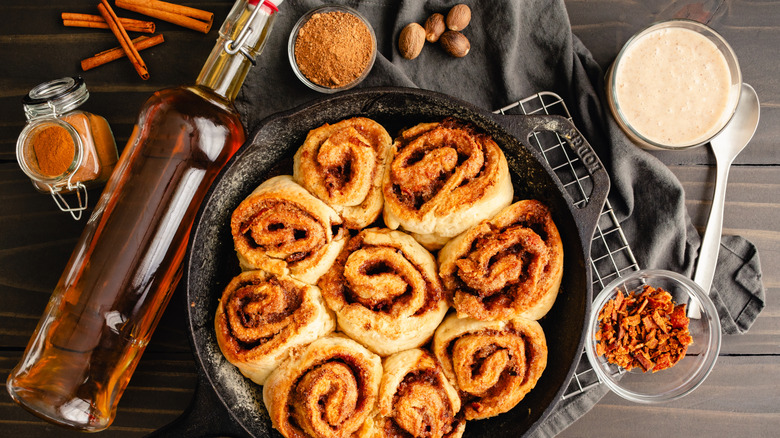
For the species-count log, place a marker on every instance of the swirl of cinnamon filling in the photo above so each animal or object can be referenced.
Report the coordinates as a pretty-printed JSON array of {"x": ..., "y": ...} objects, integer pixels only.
[
  {"x": 385, "y": 291},
  {"x": 415, "y": 399},
  {"x": 444, "y": 178},
  {"x": 343, "y": 164},
  {"x": 505, "y": 267},
  {"x": 328, "y": 389},
  {"x": 283, "y": 229},
  {"x": 261, "y": 317},
  {"x": 494, "y": 364}
]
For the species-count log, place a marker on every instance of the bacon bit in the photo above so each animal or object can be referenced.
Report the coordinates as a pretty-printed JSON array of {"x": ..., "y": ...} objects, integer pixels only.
[
  {"x": 652, "y": 332},
  {"x": 685, "y": 339},
  {"x": 660, "y": 322},
  {"x": 649, "y": 323},
  {"x": 632, "y": 320},
  {"x": 642, "y": 306},
  {"x": 644, "y": 360},
  {"x": 678, "y": 317},
  {"x": 652, "y": 343},
  {"x": 619, "y": 299},
  {"x": 608, "y": 307},
  {"x": 664, "y": 361}
]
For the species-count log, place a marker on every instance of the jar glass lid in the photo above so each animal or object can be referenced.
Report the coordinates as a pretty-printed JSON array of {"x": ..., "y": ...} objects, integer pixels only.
[{"x": 55, "y": 97}]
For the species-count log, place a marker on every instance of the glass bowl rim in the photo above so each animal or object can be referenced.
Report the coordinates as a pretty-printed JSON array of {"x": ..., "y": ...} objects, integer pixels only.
[{"x": 294, "y": 36}]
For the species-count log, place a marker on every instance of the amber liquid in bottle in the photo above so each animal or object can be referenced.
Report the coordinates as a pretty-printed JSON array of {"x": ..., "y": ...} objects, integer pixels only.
[
  {"x": 129, "y": 258},
  {"x": 132, "y": 258}
]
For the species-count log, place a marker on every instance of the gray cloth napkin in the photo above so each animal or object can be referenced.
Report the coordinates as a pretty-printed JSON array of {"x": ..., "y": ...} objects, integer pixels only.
[{"x": 518, "y": 49}]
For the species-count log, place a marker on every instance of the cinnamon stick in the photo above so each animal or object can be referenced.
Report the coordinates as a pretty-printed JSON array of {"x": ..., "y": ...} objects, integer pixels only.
[
  {"x": 124, "y": 40},
  {"x": 173, "y": 8},
  {"x": 72, "y": 19},
  {"x": 184, "y": 16},
  {"x": 140, "y": 43}
]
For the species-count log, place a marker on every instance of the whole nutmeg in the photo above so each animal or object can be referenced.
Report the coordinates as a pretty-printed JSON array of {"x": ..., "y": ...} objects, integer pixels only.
[
  {"x": 411, "y": 40},
  {"x": 458, "y": 17},
  {"x": 434, "y": 27},
  {"x": 455, "y": 43}
]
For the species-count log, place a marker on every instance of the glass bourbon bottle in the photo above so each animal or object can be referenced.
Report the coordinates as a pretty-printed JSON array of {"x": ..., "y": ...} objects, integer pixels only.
[{"x": 128, "y": 260}]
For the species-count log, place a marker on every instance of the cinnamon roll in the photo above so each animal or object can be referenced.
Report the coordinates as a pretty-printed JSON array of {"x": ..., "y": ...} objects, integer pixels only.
[
  {"x": 494, "y": 364},
  {"x": 262, "y": 316},
  {"x": 282, "y": 229},
  {"x": 444, "y": 178},
  {"x": 415, "y": 399},
  {"x": 508, "y": 266},
  {"x": 326, "y": 389},
  {"x": 385, "y": 291},
  {"x": 343, "y": 164}
]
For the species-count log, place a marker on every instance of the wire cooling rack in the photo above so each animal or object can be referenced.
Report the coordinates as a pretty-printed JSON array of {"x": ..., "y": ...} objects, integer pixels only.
[{"x": 610, "y": 254}]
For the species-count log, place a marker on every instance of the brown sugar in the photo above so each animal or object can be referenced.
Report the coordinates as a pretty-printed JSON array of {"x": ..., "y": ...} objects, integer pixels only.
[{"x": 333, "y": 49}]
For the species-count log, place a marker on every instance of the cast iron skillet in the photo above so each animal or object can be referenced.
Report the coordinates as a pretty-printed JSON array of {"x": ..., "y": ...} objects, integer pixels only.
[{"x": 226, "y": 403}]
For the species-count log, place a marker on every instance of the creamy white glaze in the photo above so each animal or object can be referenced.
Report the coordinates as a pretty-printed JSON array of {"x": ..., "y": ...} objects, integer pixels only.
[{"x": 673, "y": 87}]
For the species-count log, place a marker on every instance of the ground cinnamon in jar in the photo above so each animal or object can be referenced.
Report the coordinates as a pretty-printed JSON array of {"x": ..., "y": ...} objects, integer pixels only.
[
  {"x": 54, "y": 150},
  {"x": 62, "y": 148},
  {"x": 333, "y": 49}
]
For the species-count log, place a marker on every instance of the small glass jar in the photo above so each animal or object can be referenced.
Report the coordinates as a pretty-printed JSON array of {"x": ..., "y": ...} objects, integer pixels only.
[
  {"x": 674, "y": 85},
  {"x": 62, "y": 149},
  {"x": 330, "y": 60}
]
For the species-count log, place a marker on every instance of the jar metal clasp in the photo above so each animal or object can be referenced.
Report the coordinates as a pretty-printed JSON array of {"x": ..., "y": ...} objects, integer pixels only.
[{"x": 81, "y": 197}]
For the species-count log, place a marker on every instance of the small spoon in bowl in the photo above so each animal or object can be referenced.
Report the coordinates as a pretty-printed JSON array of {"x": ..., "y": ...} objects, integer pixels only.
[{"x": 726, "y": 146}]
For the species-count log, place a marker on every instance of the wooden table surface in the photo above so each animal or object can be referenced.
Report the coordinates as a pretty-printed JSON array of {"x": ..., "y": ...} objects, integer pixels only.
[{"x": 740, "y": 398}]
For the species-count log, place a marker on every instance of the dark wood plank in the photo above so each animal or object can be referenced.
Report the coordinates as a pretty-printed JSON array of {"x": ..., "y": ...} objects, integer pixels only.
[
  {"x": 737, "y": 400},
  {"x": 752, "y": 209},
  {"x": 160, "y": 390},
  {"x": 35, "y": 246},
  {"x": 604, "y": 26}
]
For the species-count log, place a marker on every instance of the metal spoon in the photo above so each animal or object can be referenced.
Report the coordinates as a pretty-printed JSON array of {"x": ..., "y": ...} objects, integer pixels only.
[{"x": 726, "y": 146}]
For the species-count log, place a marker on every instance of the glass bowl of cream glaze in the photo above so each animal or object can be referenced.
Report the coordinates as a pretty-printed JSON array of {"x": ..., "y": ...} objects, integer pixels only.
[
  {"x": 332, "y": 48},
  {"x": 685, "y": 375},
  {"x": 674, "y": 85}
]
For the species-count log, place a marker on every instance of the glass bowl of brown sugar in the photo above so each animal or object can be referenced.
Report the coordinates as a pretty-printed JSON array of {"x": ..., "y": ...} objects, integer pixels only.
[{"x": 332, "y": 48}]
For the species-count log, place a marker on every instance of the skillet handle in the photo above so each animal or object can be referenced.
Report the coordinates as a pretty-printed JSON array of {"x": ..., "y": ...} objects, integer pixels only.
[
  {"x": 206, "y": 416},
  {"x": 522, "y": 126}
]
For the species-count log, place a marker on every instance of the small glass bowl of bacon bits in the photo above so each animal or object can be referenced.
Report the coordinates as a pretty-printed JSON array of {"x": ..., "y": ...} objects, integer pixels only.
[{"x": 653, "y": 336}]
